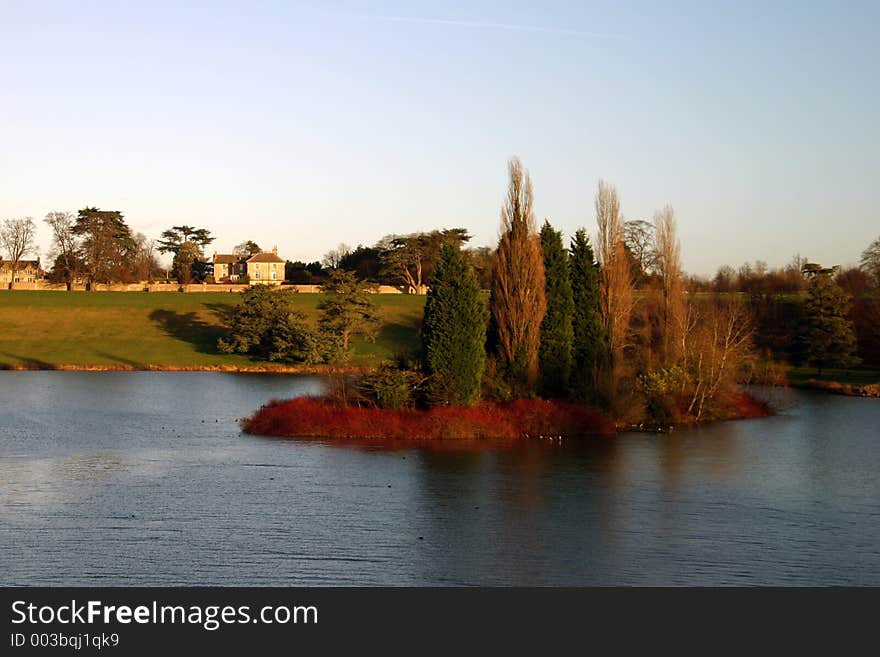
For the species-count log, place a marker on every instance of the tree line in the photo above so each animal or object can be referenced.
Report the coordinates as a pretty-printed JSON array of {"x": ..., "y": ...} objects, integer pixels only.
[
  {"x": 573, "y": 321},
  {"x": 618, "y": 327}
]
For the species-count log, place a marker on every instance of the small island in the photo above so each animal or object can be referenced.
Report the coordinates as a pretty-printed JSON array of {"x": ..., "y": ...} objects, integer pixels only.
[{"x": 563, "y": 346}]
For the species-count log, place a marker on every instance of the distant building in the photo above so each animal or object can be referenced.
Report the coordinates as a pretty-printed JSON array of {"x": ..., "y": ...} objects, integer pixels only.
[
  {"x": 28, "y": 271},
  {"x": 228, "y": 267},
  {"x": 261, "y": 269},
  {"x": 265, "y": 268}
]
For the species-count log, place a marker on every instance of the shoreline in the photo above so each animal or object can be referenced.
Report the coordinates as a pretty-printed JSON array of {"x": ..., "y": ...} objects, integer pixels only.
[
  {"x": 869, "y": 391},
  {"x": 229, "y": 369}
]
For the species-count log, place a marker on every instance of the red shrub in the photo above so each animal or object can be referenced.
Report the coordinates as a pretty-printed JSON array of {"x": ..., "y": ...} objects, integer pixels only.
[
  {"x": 318, "y": 418},
  {"x": 742, "y": 405}
]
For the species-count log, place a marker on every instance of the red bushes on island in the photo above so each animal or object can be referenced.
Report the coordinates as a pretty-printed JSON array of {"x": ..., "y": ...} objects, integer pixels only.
[{"x": 313, "y": 417}]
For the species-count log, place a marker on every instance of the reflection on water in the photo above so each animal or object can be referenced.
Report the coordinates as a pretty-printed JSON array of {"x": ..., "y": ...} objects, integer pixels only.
[{"x": 144, "y": 478}]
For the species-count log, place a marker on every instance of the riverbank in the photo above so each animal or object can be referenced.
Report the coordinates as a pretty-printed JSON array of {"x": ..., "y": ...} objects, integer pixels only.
[
  {"x": 268, "y": 368},
  {"x": 164, "y": 331},
  {"x": 837, "y": 388},
  {"x": 853, "y": 382}
]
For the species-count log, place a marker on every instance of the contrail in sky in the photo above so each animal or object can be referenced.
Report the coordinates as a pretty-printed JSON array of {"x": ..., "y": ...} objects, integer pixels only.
[{"x": 483, "y": 25}]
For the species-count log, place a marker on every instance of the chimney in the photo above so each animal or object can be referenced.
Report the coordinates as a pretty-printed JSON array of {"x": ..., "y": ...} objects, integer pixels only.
[{"x": 275, "y": 250}]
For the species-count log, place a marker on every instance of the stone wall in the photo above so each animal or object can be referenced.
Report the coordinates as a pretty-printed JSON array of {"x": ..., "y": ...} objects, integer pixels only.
[{"x": 175, "y": 287}]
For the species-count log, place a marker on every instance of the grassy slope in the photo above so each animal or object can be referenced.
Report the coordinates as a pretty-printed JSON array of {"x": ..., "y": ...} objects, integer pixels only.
[
  {"x": 856, "y": 376},
  {"x": 44, "y": 329}
]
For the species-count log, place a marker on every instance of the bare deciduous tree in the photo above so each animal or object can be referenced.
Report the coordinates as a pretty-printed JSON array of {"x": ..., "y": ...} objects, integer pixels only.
[
  {"x": 639, "y": 237},
  {"x": 667, "y": 262},
  {"x": 615, "y": 279},
  {"x": 246, "y": 249},
  {"x": 718, "y": 343},
  {"x": 17, "y": 239},
  {"x": 64, "y": 245},
  {"x": 333, "y": 257},
  {"x": 871, "y": 261},
  {"x": 145, "y": 265},
  {"x": 518, "y": 300}
]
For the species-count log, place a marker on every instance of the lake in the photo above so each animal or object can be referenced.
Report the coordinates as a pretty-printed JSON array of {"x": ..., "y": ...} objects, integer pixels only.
[{"x": 143, "y": 478}]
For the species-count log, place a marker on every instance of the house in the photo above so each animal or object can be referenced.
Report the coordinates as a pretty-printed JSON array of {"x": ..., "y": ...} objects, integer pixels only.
[
  {"x": 261, "y": 269},
  {"x": 265, "y": 268},
  {"x": 228, "y": 267},
  {"x": 27, "y": 271}
]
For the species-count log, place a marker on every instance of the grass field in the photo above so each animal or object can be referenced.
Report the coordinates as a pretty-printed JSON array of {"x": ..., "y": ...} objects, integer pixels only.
[
  {"x": 857, "y": 376},
  {"x": 47, "y": 329}
]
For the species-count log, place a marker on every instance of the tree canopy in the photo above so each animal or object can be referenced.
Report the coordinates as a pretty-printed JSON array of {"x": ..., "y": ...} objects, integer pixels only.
[
  {"x": 107, "y": 245},
  {"x": 247, "y": 249},
  {"x": 265, "y": 325},
  {"x": 409, "y": 259},
  {"x": 175, "y": 237},
  {"x": 828, "y": 337},
  {"x": 871, "y": 261},
  {"x": 347, "y": 309}
]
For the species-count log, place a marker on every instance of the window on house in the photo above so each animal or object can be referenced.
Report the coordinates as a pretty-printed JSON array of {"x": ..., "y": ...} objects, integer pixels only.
[
  {"x": 274, "y": 275},
  {"x": 256, "y": 273}
]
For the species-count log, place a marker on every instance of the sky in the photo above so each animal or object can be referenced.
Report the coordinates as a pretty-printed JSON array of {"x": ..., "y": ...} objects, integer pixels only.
[{"x": 305, "y": 125}]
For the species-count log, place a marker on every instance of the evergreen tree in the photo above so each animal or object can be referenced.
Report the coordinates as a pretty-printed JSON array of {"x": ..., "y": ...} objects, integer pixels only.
[
  {"x": 107, "y": 246},
  {"x": 828, "y": 337},
  {"x": 589, "y": 346},
  {"x": 265, "y": 325},
  {"x": 348, "y": 309},
  {"x": 454, "y": 331},
  {"x": 557, "y": 333}
]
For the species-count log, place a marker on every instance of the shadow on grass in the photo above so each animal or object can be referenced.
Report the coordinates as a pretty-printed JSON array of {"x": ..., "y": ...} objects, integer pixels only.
[
  {"x": 26, "y": 363},
  {"x": 222, "y": 311},
  {"x": 189, "y": 328},
  {"x": 397, "y": 337},
  {"x": 119, "y": 359}
]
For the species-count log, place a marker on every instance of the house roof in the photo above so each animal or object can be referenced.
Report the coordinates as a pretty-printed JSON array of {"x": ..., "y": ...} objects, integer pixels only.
[
  {"x": 22, "y": 264},
  {"x": 265, "y": 257},
  {"x": 225, "y": 259}
]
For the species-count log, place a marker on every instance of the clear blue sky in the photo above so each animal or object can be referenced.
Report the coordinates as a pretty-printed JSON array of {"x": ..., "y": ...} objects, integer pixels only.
[{"x": 309, "y": 124}]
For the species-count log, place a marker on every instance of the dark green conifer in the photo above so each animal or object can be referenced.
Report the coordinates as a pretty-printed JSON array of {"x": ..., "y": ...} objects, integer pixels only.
[
  {"x": 828, "y": 336},
  {"x": 589, "y": 347},
  {"x": 557, "y": 334},
  {"x": 454, "y": 331}
]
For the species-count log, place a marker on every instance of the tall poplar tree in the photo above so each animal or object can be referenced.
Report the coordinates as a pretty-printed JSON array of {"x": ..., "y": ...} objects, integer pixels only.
[
  {"x": 615, "y": 283},
  {"x": 454, "y": 331},
  {"x": 557, "y": 334},
  {"x": 518, "y": 302}
]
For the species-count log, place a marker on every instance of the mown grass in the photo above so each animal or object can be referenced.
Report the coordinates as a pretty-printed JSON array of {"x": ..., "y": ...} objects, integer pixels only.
[
  {"x": 48, "y": 329},
  {"x": 856, "y": 376}
]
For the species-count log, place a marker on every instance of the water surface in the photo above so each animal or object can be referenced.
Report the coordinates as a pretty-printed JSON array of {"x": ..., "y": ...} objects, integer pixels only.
[{"x": 114, "y": 478}]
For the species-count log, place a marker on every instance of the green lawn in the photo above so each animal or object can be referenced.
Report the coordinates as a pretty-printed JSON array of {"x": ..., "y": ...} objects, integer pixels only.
[
  {"x": 45, "y": 329},
  {"x": 856, "y": 376}
]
